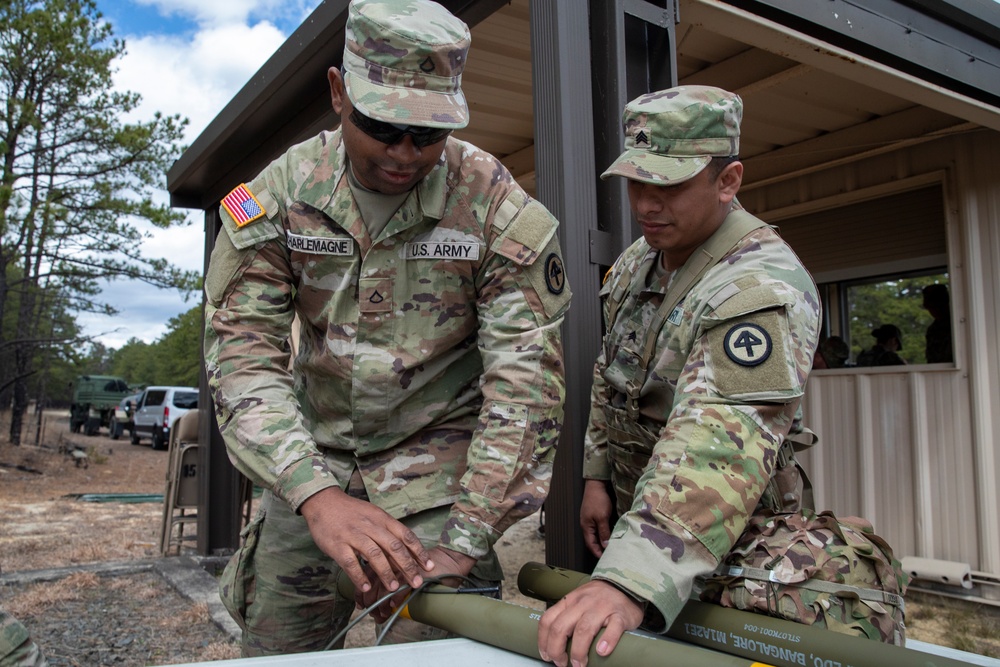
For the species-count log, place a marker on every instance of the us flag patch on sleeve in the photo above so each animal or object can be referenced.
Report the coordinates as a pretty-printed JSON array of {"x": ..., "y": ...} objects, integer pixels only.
[{"x": 243, "y": 206}]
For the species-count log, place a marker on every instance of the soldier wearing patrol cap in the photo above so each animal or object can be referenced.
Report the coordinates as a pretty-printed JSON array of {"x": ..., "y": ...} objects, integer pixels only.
[
  {"x": 712, "y": 323},
  {"x": 419, "y": 416}
]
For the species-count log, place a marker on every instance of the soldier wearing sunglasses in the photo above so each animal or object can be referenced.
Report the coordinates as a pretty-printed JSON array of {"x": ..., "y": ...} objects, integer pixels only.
[{"x": 418, "y": 415}]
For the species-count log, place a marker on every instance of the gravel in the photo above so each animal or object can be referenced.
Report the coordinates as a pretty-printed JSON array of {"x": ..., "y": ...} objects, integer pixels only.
[{"x": 124, "y": 619}]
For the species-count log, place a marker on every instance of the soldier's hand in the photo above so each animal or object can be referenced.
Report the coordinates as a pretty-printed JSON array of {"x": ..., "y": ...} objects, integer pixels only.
[
  {"x": 348, "y": 529},
  {"x": 595, "y": 516},
  {"x": 580, "y": 616},
  {"x": 445, "y": 562}
]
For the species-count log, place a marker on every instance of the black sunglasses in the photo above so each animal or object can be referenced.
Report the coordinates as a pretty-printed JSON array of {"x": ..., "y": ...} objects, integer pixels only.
[{"x": 391, "y": 133}]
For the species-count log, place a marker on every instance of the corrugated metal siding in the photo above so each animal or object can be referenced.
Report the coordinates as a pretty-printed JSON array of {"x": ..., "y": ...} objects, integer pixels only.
[
  {"x": 947, "y": 462},
  {"x": 895, "y": 449},
  {"x": 978, "y": 200},
  {"x": 915, "y": 451}
]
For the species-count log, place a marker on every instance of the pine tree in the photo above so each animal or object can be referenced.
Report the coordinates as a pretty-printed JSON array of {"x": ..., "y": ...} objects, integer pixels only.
[{"x": 76, "y": 178}]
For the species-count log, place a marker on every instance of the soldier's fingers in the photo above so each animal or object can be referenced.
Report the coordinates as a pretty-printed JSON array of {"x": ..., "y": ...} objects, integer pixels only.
[
  {"x": 365, "y": 599},
  {"x": 391, "y": 605},
  {"x": 379, "y": 564},
  {"x": 554, "y": 630},
  {"x": 592, "y": 538},
  {"x": 604, "y": 532},
  {"x": 582, "y": 636},
  {"x": 612, "y": 635},
  {"x": 409, "y": 556},
  {"x": 352, "y": 567},
  {"x": 593, "y": 545}
]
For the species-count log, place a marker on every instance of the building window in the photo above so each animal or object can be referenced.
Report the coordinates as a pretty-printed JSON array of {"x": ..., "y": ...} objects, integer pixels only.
[
  {"x": 889, "y": 319},
  {"x": 874, "y": 261}
]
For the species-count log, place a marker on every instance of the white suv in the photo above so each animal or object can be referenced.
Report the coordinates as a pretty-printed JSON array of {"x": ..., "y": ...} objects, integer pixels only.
[{"x": 157, "y": 410}]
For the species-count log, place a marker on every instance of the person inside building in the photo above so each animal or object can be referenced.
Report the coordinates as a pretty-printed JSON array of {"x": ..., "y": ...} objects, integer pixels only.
[
  {"x": 937, "y": 302},
  {"x": 833, "y": 352},
  {"x": 712, "y": 323},
  {"x": 421, "y": 412},
  {"x": 885, "y": 351}
]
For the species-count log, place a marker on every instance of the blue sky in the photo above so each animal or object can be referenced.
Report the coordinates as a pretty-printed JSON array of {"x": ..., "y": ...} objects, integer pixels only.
[{"x": 188, "y": 57}]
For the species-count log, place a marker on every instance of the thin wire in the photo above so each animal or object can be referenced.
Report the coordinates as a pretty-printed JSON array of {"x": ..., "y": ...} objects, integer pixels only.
[
  {"x": 421, "y": 589},
  {"x": 395, "y": 615},
  {"x": 360, "y": 617}
]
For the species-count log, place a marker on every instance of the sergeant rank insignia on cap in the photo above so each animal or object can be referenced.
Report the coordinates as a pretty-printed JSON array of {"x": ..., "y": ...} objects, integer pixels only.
[{"x": 243, "y": 206}]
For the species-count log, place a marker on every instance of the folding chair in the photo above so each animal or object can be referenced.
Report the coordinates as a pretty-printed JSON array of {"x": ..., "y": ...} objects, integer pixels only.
[{"x": 180, "y": 500}]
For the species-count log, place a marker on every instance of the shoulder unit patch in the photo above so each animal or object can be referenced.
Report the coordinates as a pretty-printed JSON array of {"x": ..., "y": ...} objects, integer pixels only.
[
  {"x": 555, "y": 273},
  {"x": 748, "y": 344}
]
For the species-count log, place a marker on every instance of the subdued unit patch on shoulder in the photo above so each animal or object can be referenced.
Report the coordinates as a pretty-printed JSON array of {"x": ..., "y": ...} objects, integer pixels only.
[
  {"x": 749, "y": 357},
  {"x": 555, "y": 273},
  {"x": 548, "y": 279},
  {"x": 747, "y": 344}
]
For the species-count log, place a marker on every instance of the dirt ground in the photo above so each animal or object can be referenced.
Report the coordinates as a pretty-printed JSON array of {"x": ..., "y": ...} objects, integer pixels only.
[
  {"x": 93, "y": 620},
  {"x": 138, "y": 620}
]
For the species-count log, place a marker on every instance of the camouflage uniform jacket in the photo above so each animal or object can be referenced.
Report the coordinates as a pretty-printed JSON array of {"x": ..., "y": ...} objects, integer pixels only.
[
  {"x": 715, "y": 424},
  {"x": 429, "y": 357}
]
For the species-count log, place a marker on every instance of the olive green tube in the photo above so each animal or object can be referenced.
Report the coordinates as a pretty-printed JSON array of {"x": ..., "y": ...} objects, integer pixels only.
[
  {"x": 777, "y": 641},
  {"x": 515, "y": 628}
]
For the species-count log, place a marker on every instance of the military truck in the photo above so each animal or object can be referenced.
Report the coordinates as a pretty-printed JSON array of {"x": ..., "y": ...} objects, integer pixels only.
[{"x": 95, "y": 398}]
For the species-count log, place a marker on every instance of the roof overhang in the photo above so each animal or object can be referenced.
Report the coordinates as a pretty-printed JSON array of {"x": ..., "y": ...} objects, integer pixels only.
[{"x": 770, "y": 35}]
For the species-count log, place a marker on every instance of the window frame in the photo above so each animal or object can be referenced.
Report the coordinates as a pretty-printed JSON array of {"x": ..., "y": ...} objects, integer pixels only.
[{"x": 950, "y": 261}]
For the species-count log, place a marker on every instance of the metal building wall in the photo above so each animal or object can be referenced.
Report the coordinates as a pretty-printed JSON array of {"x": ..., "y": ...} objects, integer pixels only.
[
  {"x": 577, "y": 112},
  {"x": 916, "y": 451}
]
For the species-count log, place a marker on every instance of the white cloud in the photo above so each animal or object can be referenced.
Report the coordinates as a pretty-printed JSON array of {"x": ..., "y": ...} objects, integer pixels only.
[
  {"x": 219, "y": 12},
  {"x": 144, "y": 312},
  {"x": 194, "y": 75}
]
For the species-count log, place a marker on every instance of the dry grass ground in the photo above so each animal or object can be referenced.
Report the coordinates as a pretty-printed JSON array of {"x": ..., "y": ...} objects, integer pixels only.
[{"x": 45, "y": 526}]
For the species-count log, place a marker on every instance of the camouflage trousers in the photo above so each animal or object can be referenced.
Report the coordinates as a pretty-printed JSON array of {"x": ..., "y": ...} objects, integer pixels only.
[{"x": 282, "y": 589}]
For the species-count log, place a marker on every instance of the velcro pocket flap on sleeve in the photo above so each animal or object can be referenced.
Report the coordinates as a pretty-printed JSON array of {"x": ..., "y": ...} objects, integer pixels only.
[
  {"x": 528, "y": 233},
  {"x": 493, "y": 462},
  {"x": 734, "y": 301}
]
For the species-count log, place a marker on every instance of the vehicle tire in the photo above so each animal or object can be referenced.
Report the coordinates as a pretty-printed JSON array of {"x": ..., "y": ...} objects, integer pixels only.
[
  {"x": 91, "y": 428},
  {"x": 134, "y": 437},
  {"x": 158, "y": 441},
  {"x": 115, "y": 428}
]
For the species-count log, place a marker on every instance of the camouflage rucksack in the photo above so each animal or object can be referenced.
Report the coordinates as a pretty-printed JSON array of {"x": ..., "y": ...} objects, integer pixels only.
[{"x": 814, "y": 569}]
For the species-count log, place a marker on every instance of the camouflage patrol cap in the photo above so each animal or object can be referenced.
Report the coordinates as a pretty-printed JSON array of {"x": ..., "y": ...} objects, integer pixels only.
[
  {"x": 671, "y": 135},
  {"x": 403, "y": 62}
]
